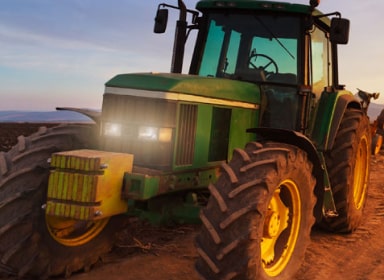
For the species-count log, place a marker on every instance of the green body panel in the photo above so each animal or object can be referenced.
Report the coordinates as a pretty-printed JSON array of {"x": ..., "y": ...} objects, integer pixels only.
[
  {"x": 168, "y": 209},
  {"x": 325, "y": 110},
  {"x": 325, "y": 117},
  {"x": 329, "y": 207},
  {"x": 241, "y": 118},
  {"x": 141, "y": 186},
  {"x": 204, "y": 123},
  {"x": 189, "y": 84}
]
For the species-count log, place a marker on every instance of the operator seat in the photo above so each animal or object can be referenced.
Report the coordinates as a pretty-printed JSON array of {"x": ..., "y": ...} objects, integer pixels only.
[
  {"x": 284, "y": 78},
  {"x": 250, "y": 75}
]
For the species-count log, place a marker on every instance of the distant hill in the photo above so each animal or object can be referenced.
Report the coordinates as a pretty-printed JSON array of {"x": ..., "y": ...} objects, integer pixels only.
[{"x": 45, "y": 116}]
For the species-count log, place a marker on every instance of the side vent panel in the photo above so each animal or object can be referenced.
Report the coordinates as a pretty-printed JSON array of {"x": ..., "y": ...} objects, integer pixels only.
[{"x": 186, "y": 134}]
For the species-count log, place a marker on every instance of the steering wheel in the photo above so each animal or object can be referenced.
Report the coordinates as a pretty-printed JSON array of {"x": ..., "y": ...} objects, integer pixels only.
[{"x": 267, "y": 62}]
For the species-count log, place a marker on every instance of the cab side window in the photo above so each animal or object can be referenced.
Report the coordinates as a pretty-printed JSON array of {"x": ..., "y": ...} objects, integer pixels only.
[{"x": 321, "y": 74}]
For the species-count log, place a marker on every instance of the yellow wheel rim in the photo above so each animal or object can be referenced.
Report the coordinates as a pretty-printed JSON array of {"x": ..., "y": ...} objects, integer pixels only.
[
  {"x": 360, "y": 180},
  {"x": 281, "y": 228},
  {"x": 70, "y": 232},
  {"x": 378, "y": 145}
]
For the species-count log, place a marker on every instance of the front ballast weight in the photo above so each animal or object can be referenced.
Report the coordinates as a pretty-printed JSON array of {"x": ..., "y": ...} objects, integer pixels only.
[
  {"x": 87, "y": 184},
  {"x": 92, "y": 185}
]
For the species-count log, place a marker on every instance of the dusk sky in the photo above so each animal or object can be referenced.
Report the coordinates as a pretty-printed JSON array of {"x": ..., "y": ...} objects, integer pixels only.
[{"x": 61, "y": 52}]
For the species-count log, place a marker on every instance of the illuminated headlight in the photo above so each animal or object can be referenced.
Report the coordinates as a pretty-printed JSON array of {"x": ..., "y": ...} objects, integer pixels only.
[
  {"x": 148, "y": 133},
  {"x": 112, "y": 129}
]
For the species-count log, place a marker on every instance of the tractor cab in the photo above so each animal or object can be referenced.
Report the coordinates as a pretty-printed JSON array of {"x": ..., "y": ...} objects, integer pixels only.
[
  {"x": 255, "y": 48},
  {"x": 290, "y": 50}
]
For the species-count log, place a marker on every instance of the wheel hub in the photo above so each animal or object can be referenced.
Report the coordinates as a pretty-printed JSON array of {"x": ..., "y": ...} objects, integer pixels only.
[
  {"x": 272, "y": 224},
  {"x": 281, "y": 228}
]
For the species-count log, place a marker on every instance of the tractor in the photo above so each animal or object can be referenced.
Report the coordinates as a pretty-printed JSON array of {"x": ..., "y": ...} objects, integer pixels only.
[{"x": 259, "y": 142}]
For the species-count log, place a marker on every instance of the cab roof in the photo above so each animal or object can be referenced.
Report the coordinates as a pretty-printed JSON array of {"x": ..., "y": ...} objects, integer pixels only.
[
  {"x": 259, "y": 5},
  {"x": 253, "y": 5}
]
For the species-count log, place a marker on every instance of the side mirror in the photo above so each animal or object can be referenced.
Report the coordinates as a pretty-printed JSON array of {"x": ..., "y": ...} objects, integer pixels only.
[
  {"x": 339, "y": 30},
  {"x": 161, "y": 21}
]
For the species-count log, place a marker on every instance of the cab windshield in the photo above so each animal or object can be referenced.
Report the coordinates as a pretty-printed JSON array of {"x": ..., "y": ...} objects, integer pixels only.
[{"x": 251, "y": 47}]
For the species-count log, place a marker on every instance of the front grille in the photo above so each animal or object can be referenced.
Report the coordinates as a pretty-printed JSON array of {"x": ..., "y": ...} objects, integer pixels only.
[
  {"x": 132, "y": 112},
  {"x": 139, "y": 110},
  {"x": 186, "y": 134}
]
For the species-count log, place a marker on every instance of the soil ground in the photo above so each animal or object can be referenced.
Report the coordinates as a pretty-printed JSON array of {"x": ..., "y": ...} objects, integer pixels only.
[
  {"x": 148, "y": 252},
  {"x": 10, "y": 131}
]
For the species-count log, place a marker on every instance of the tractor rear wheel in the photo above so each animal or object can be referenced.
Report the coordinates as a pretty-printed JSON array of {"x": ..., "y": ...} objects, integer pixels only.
[
  {"x": 348, "y": 164},
  {"x": 33, "y": 244},
  {"x": 257, "y": 222}
]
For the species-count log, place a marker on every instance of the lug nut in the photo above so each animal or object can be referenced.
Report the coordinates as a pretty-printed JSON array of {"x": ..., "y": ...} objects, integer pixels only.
[{"x": 98, "y": 213}]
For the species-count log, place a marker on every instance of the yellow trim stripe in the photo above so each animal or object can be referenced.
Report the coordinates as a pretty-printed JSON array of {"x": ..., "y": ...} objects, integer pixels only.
[{"x": 179, "y": 97}]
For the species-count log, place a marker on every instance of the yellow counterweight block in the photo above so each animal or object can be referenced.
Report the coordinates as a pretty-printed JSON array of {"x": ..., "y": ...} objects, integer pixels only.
[{"x": 87, "y": 184}]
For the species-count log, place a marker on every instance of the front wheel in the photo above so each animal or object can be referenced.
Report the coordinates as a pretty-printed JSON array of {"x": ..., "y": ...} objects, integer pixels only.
[
  {"x": 258, "y": 219},
  {"x": 33, "y": 244}
]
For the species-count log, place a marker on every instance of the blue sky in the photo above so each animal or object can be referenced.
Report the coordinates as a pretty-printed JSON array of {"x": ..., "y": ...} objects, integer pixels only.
[{"x": 61, "y": 52}]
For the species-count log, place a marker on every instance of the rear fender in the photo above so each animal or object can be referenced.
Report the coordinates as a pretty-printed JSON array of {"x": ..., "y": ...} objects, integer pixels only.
[
  {"x": 343, "y": 102},
  {"x": 330, "y": 112}
]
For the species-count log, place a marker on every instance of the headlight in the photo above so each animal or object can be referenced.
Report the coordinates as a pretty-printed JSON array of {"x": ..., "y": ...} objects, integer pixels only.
[
  {"x": 148, "y": 133},
  {"x": 112, "y": 129}
]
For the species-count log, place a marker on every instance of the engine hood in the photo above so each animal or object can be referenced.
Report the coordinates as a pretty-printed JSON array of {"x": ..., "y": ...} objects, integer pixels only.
[{"x": 188, "y": 84}]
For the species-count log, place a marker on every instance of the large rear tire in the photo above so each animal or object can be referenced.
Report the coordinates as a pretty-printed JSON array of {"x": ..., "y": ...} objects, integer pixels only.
[
  {"x": 257, "y": 222},
  {"x": 348, "y": 164},
  {"x": 31, "y": 243}
]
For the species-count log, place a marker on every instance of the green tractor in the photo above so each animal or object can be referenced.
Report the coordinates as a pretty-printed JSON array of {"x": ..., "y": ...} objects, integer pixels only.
[{"x": 258, "y": 142}]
